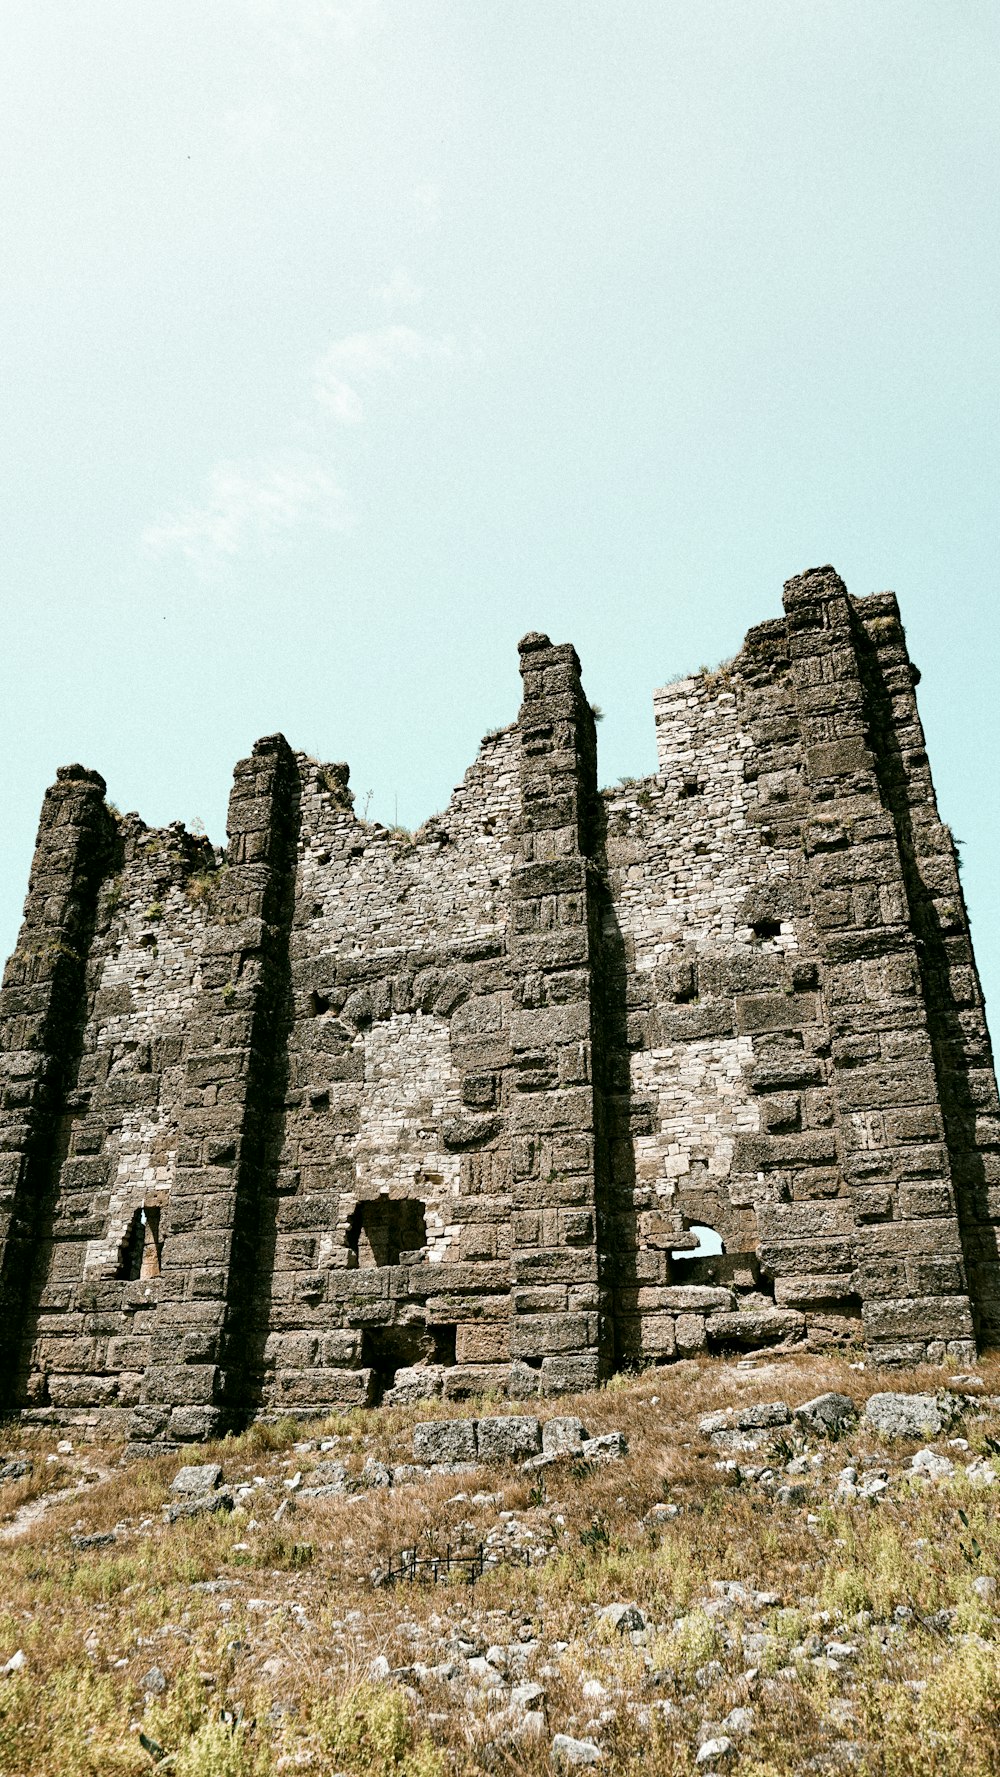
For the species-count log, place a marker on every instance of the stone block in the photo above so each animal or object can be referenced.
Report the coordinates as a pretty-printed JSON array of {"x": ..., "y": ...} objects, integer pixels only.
[
  {"x": 757, "y": 1326},
  {"x": 538, "y": 1335},
  {"x": 827, "y": 1415},
  {"x": 482, "y": 1342},
  {"x": 569, "y": 1374},
  {"x": 82, "y": 1391},
  {"x": 690, "y": 1334},
  {"x": 194, "y": 1423},
  {"x": 561, "y": 1434},
  {"x": 658, "y": 1335},
  {"x": 763, "y": 1416},
  {"x": 809, "y": 1290},
  {"x": 508, "y": 1438},
  {"x": 445, "y": 1440},
  {"x": 200, "y": 1477},
  {"x": 919, "y": 1317},
  {"x": 463, "y": 1382},
  {"x": 775, "y": 1011},
  {"x": 907, "y": 1415},
  {"x": 182, "y": 1385},
  {"x": 318, "y": 1388}
]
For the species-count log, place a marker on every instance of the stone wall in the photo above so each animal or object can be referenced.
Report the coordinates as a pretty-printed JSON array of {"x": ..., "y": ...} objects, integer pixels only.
[{"x": 346, "y": 1114}]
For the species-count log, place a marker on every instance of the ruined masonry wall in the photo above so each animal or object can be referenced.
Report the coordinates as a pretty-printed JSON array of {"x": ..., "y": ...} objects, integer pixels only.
[
  {"x": 395, "y": 1089},
  {"x": 721, "y": 972},
  {"x": 90, "y": 1342},
  {"x": 347, "y": 1114}
]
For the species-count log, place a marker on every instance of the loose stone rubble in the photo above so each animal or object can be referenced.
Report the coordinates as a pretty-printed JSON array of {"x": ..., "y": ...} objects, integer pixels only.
[{"x": 524, "y": 1670}]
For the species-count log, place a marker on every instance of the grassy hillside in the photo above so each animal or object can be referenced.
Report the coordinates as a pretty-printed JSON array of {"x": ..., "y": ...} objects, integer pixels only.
[{"x": 803, "y": 1601}]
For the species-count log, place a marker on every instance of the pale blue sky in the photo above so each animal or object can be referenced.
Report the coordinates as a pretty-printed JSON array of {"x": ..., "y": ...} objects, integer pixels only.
[{"x": 341, "y": 343}]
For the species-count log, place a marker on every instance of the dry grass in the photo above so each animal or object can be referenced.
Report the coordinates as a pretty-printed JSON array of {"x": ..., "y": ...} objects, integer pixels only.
[{"x": 265, "y": 1631}]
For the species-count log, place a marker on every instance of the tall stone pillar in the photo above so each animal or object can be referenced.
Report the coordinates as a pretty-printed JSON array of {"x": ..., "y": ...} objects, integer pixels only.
[
  {"x": 560, "y": 1332},
  {"x": 42, "y": 1010},
  {"x": 908, "y": 1255},
  {"x": 953, "y": 996},
  {"x": 200, "y": 1341}
]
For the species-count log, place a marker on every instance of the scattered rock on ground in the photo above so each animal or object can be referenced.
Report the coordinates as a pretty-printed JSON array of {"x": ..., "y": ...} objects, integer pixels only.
[
  {"x": 907, "y": 1415},
  {"x": 508, "y": 1438},
  {"x": 610, "y": 1446},
  {"x": 564, "y": 1432},
  {"x": 197, "y": 1489},
  {"x": 763, "y": 1415},
  {"x": 199, "y": 1477},
  {"x": 626, "y": 1618},
  {"x": 15, "y": 1470},
  {"x": 445, "y": 1440},
  {"x": 827, "y": 1414},
  {"x": 928, "y": 1462},
  {"x": 567, "y": 1751}
]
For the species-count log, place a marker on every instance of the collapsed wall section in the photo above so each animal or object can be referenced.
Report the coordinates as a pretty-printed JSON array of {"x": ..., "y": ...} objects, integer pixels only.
[
  {"x": 388, "y": 1226},
  {"x": 723, "y": 1115},
  {"x": 800, "y": 1020}
]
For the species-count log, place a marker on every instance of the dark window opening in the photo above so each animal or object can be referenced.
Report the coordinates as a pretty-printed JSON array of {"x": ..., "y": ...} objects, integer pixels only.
[
  {"x": 691, "y": 787},
  {"x": 766, "y": 928},
  {"x": 318, "y": 1004},
  {"x": 443, "y": 1339},
  {"x": 385, "y": 1350},
  {"x": 140, "y": 1252},
  {"x": 380, "y": 1232}
]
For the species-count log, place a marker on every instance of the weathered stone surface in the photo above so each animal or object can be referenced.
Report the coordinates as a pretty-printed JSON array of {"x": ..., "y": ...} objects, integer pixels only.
[
  {"x": 609, "y": 1447},
  {"x": 568, "y": 1751},
  {"x": 907, "y": 1415},
  {"x": 763, "y": 1415},
  {"x": 200, "y": 1477},
  {"x": 356, "y": 1115},
  {"x": 564, "y": 1432},
  {"x": 507, "y": 1438},
  {"x": 445, "y": 1440},
  {"x": 628, "y": 1619},
  {"x": 827, "y": 1414}
]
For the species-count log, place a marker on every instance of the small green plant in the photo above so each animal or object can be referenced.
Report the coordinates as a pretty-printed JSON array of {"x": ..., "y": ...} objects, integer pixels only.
[
  {"x": 112, "y": 895},
  {"x": 229, "y": 993},
  {"x": 154, "y": 911},
  {"x": 369, "y": 1729},
  {"x": 972, "y": 1551},
  {"x": 334, "y": 782},
  {"x": 596, "y": 1536}
]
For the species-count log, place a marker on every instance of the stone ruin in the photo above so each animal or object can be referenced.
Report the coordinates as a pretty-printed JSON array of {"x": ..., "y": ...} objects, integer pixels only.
[{"x": 343, "y": 1114}]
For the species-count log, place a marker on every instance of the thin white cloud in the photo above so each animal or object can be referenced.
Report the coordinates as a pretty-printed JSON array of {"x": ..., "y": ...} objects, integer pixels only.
[
  {"x": 250, "y": 506},
  {"x": 398, "y": 292},
  {"x": 362, "y": 358}
]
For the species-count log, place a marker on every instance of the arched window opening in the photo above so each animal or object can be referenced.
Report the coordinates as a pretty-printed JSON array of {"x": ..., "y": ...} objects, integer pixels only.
[
  {"x": 381, "y": 1231},
  {"x": 710, "y": 1243},
  {"x": 140, "y": 1252}
]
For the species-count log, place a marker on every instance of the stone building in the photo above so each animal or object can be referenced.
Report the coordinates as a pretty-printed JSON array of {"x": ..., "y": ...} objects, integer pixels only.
[{"x": 346, "y": 1114}]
